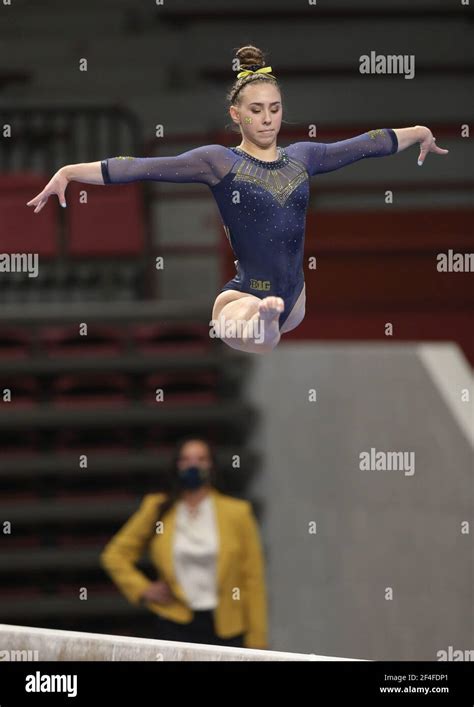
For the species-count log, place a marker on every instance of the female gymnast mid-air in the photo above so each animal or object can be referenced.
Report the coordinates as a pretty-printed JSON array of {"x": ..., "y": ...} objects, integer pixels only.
[{"x": 262, "y": 192}]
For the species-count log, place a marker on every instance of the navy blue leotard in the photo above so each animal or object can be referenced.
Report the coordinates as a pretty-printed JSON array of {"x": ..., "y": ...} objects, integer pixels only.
[{"x": 262, "y": 204}]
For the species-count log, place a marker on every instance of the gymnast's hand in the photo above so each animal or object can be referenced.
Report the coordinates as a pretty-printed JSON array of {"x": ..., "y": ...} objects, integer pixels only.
[
  {"x": 428, "y": 144},
  {"x": 56, "y": 185},
  {"x": 159, "y": 592}
]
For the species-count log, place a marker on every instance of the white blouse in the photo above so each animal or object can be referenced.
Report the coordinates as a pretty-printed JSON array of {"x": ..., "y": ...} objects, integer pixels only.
[{"x": 195, "y": 547}]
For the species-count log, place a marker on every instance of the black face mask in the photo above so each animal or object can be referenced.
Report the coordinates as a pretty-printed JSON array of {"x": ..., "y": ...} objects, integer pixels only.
[{"x": 192, "y": 477}]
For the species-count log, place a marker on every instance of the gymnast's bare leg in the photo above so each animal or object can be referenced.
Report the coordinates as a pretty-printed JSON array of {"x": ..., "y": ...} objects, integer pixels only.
[{"x": 258, "y": 318}]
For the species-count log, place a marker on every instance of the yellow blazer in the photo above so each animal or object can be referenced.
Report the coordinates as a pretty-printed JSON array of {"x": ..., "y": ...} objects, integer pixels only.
[{"x": 242, "y": 600}]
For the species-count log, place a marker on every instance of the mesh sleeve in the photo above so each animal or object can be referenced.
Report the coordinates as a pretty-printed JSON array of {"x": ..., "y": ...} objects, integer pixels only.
[
  {"x": 207, "y": 164},
  {"x": 319, "y": 157}
]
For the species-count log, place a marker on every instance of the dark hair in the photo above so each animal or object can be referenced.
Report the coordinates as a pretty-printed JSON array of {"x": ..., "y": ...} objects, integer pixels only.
[
  {"x": 249, "y": 57},
  {"x": 173, "y": 494}
]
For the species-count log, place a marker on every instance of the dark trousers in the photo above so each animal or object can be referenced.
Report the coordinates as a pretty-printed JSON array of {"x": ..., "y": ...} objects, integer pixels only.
[{"x": 199, "y": 630}]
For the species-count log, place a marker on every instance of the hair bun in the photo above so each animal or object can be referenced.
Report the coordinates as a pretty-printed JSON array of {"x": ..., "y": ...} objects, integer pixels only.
[{"x": 250, "y": 58}]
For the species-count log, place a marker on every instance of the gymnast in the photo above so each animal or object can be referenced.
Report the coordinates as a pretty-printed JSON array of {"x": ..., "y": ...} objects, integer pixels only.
[{"x": 262, "y": 193}]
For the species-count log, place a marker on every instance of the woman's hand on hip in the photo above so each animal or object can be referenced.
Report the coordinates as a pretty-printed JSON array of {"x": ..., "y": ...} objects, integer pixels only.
[{"x": 159, "y": 592}]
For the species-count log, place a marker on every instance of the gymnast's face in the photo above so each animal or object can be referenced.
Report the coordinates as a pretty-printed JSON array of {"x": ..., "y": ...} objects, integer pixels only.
[
  {"x": 194, "y": 453},
  {"x": 259, "y": 113}
]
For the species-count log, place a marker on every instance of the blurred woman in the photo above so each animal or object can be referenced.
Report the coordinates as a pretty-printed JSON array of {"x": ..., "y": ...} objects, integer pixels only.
[{"x": 207, "y": 551}]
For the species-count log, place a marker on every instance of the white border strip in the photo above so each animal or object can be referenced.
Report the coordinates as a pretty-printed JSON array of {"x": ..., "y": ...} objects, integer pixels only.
[{"x": 451, "y": 373}]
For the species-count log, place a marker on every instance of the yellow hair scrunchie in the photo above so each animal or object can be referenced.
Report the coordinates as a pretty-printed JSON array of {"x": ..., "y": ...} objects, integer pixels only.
[{"x": 263, "y": 70}]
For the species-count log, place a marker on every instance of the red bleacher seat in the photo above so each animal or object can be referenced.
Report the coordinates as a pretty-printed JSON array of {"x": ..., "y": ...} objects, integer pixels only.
[
  {"x": 181, "y": 387},
  {"x": 92, "y": 441},
  {"x": 66, "y": 341},
  {"x": 90, "y": 389},
  {"x": 17, "y": 444},
  {"x": 15, "y": 342},
  {"x": 161, "y": 439},
  {"x": 19, "y": 496},
  {"x": 26, "y": 541},
  {"x": 155, "y": 338},
  {"x": 82, "y": 540},
  {"x": 24, "y": 591},
  {"x": 110, "y": 223},
  {"x": 96, "y": 495},
  {"x": 24, "y": 391},
  {"x": 70, "y": 590},
  {"x": 21, "y": 230}
]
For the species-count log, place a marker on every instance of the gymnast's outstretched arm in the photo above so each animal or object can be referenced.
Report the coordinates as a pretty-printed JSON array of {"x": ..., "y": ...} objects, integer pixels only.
[
  {"x": 207, "y": 165},
  {"x": 320, "y": 157}
]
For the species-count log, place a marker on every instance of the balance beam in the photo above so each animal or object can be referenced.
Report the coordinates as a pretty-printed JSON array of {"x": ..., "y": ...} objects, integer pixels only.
[{"x": 27, "y": 643}]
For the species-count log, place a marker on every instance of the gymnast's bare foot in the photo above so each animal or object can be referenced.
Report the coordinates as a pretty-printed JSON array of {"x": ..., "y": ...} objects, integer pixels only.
[{"x": 270, "y": 308}]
